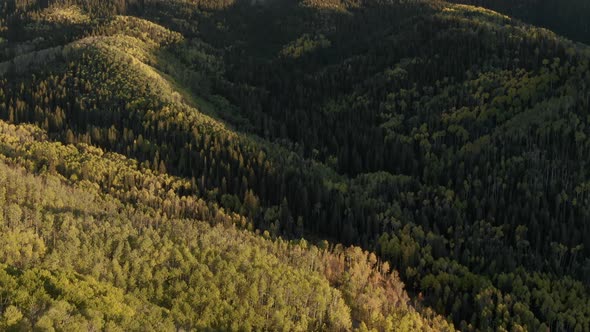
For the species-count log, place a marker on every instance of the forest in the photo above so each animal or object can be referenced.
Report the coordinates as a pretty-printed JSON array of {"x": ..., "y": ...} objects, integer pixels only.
[{"x": 295, "y": 165}]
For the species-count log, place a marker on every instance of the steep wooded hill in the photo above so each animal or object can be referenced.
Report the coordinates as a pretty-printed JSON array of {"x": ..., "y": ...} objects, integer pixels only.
[
  {"x": 448, "y": 139},
  {"x": 92, "y": 241}
]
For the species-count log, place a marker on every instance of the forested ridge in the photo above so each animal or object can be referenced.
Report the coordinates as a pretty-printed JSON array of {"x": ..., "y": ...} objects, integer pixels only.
[
  {"x": 292, "y": 165},
  {"x": 567, "y": 17}
]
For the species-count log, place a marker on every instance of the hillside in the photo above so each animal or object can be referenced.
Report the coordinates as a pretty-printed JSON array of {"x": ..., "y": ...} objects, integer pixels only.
[
  {"x": 566, "y": 17},
  {"x": 172, "y": 155},
  {"x": 93, "y": 241}
]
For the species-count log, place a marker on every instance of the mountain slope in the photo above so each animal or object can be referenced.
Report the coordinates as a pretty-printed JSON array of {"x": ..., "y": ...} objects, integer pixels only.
[
  {"x": 122, "y": 215},
  {"x": 567, "y": 17},
  {"x": 115, "y": 229},
  {"x": 451, "y": 140}
]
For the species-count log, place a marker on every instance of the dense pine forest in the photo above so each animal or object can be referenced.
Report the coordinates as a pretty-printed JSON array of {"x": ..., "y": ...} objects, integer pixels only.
[{"x": 295, "y": 165}]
